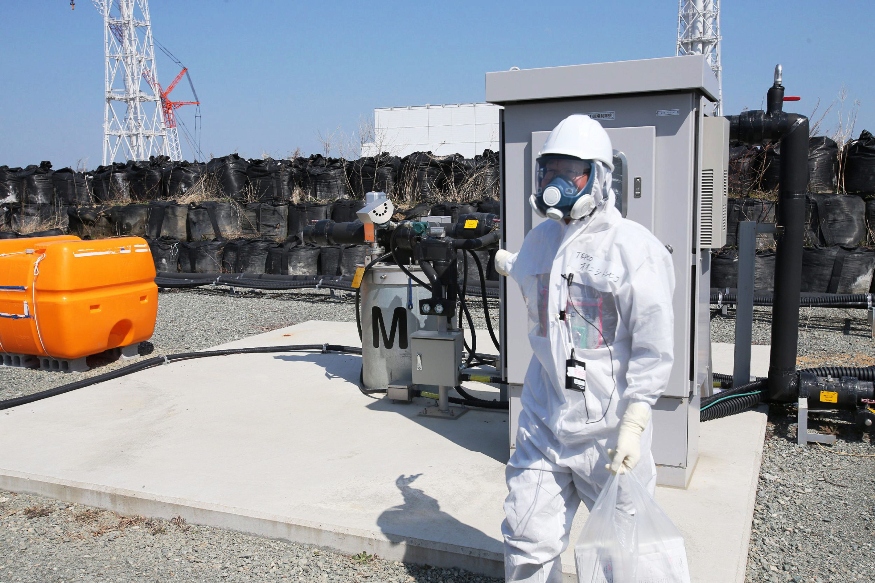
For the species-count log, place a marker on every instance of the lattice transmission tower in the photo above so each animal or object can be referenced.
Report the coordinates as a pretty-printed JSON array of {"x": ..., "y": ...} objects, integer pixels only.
[
  {"x": 699, "y": 34},
  {"x": 134, "y": 121}
]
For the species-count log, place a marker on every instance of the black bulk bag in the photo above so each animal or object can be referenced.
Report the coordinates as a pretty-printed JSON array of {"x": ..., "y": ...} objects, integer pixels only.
[
  {"x": 837, "y": 270},
  {"x": 743, "y": 168},
  {"x": 724, "y": 270},
  {"x": 213, "y": 220},
  {"x": 129, "y": 220},
  {"x": 112, "y": 183},
  {"x": 749, "y": 209},
  {"x": 252, "y": 256},
  {"x": 327, "y": 178},
  {"x": 353, "y": 256},
  {"x": 330, "y": 259},
  {"x": 167, "y": 219},
  {"x": 201, "y": 256},
  {"x": 8, "y": 234},
  {"x": 461, "y": 174},
  {"x": 823, "y": 159},
  {"x": 230, "y": 175},
  {"x": 26, "y": 218},
  {"x": 841, "y": 219},
  {"x": 10, "y": 185},
  {"x": 265, "y": 220},
  {"x": 860, "y": 164},
  {"x": 90, "y": 222},
  {"x": 297, "y": 219},
  {"x": 487, "y": 173},
  {"x": 299, "y": 178},
  {"x": 361, "y": 174},
  {"x": 870, "y": 219},
  {"x": 183, "y": 177},
  {"x": 293, "y": 258},
  {"x": 317, "y": 211},
  {"x": 147, "y": 180},
  {"x": 768, "y": 167},
  {"x": 344, "y": 210},
  {"x": 165, "y": 254},
  {"x": 37, "y": 187},
  {"x": 269, "y": 179},
  {"x": 229, "y": 255},
  {"x": 422, "y": 176},
  {"x": 386, "y": 174},
  {"x": 70, "y": 187}
]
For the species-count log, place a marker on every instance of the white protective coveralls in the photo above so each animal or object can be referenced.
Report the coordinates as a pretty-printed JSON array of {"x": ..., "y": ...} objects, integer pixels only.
[{"x": 614, "y": 282}]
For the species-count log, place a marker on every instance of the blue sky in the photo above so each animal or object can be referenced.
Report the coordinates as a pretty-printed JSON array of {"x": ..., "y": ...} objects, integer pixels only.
[{"x": 275, "y": 75}]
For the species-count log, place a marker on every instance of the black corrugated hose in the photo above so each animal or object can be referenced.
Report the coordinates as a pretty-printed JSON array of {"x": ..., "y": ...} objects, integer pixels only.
[
  {"x": 742, "y": 398},
  {"x": 732, "y": 401},
  {"x": 159, "y": 360}
]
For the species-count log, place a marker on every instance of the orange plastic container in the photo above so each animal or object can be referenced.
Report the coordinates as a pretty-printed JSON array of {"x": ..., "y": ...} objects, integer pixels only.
[{"x": 65, "y": 298}]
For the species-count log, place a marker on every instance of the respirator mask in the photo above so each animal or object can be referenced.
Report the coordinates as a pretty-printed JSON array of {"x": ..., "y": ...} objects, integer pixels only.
[{"x": 566, "y": 187}]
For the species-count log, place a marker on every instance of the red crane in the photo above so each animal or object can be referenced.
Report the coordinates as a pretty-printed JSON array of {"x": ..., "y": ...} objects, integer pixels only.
[{"x": 168, "y": 105}]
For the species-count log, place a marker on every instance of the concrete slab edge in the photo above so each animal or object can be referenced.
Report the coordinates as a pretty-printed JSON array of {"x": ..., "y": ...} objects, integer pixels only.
[
  {"x": 344, "y": 540},
  {"x": 763, "y": 409}
]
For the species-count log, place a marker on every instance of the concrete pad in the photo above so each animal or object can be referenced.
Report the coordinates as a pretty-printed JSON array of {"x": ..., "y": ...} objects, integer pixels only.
[
  {"x": 723, "y": 358},
  {"x": 284, "y": 445}
]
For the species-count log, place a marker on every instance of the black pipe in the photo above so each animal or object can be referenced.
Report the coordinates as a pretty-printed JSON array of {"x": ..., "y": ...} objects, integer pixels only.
[
  {"x": 863, "y": 374},
  {"x": 159, "y": 360},
  {"x": 791, "y": 129}
]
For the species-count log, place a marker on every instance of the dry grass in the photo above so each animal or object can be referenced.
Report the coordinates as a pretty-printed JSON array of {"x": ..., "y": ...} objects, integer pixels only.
[
  {"x": 37, "y": 511},
  {"x": 205, "y": 189},
  {"x": 87, "y": 516}
]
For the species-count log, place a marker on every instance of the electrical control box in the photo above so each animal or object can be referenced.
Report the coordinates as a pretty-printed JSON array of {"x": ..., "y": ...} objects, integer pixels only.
[{"x": 436, "y": 357}]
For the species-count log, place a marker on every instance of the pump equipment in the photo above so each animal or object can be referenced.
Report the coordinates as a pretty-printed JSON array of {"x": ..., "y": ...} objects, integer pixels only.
[{"x": 412, "y": 276}]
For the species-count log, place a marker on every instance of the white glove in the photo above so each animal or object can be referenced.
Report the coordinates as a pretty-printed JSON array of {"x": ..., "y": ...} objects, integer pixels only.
[
  {"x": 502, "y": 260},
  {"x": 628, "y": 451}
]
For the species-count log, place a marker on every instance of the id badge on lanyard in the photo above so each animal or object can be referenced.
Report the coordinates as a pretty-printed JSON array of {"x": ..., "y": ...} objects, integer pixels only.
[{"x": 575, "y": 374}]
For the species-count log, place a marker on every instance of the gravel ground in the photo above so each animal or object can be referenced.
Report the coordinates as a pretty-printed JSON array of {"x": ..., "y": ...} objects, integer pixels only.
[{"x": 815, "y": 509}]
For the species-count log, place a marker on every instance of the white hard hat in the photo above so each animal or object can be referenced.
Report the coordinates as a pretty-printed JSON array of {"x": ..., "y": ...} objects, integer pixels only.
[{"x": 582, "y": 137}]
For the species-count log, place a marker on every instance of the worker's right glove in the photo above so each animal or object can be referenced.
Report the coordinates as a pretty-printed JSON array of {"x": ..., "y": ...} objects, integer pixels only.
[
  {"x": 504, "y": 261},
  {"x": 634, "y": 422}
]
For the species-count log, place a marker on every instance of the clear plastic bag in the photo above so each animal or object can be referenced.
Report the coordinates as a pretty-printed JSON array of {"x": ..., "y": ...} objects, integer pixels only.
[{"x": 629, "y": 539}]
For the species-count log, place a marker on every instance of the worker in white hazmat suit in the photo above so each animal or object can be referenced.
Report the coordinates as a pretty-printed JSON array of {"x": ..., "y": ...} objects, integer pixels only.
[{"x": 598, "y": 290}]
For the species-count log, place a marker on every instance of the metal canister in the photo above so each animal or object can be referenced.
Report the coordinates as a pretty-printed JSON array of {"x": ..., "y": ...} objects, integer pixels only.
[{"x": 390, "y": 314}]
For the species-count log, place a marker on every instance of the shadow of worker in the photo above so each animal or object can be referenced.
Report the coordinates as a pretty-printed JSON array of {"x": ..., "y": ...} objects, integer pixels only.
[{"x": 419, "y": 523}]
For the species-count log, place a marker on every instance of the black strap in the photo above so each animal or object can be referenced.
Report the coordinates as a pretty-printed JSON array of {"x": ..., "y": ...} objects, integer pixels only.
[
  {"x": 211, "y": 212},
  {"x": 287, "y": 246},
  {"x": 825, "y": 235},
  {"x": 159, "y": 218},
  {"x": 837, "y": 268}
]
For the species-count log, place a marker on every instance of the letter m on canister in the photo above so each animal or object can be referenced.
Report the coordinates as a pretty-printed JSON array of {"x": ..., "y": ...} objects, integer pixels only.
[{"x": 399, "y": 323}]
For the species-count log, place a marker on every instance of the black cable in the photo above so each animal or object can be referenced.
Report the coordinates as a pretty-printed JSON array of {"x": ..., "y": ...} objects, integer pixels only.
[
  {"x": 159, "y": 360},
  {"x": 361, "y": 384},
  {"x": 468, "y": 398},
  {"x": 463, "y": 311},
  {"x": 401, "y": 265},
  {"x": 483, "y": 297}
]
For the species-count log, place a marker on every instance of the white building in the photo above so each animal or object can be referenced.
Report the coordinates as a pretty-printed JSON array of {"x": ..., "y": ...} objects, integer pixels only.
[{"x": 465, "y": 129}]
